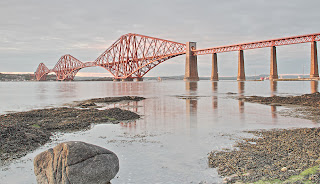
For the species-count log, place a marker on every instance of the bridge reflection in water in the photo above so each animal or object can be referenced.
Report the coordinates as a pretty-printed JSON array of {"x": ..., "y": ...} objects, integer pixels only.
[
  {"x": 274, "y": 89},
  {"x": 159, "y": 108},
  {"x": 191, "y": 103},
  {"x": 214, "y": 97},
  {"x": 240, "y": 93}
]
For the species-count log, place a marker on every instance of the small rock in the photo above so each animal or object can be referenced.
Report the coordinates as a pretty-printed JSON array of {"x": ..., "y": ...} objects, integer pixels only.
[
  {"x": 284, "y": 169},
  {"x": 87, "y": 104},
  {"x": 76, "y": 162},
  {"x": 231, "y": 178},
  {"x": 225, "y": 180},
  {"x": 231, "y": 93},
  {"x": 246, "y": 174}
]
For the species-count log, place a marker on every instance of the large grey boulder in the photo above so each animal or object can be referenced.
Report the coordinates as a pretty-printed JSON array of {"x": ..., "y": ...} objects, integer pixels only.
[{"x": 76, "y": 162}]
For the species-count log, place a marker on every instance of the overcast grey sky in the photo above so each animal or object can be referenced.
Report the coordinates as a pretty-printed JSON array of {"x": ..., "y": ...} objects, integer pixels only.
[{"x": 37, "y": 31}]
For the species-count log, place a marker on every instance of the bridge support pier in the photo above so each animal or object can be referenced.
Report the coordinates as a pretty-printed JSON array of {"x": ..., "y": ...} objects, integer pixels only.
[
  {"x": 273, "y": 64},
  {"x": 116, "y": 80},
  {"x": 241, "y": 73},
  {"x": 127, "y": 79},
  {"x": 139, "y": 79},
  {"x": 191, "y": 73},
  {"x": 314, "y": 61},
  {"x": 214, "y": 73}
]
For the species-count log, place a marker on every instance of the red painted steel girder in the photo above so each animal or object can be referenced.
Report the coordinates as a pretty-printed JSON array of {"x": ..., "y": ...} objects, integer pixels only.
[
  {"x": 134, "y": 55},
  {"x": 67, "y": 67},
  {"x": 41, "y": 72},
  {"x": 260, "y": 44}
]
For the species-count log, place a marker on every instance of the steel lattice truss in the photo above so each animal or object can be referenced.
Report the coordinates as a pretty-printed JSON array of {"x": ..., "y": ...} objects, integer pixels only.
[
  {"x": 133, "y": 55},
  {"x": 260, "y": 44},
  {"x": 41, "y": 72},
  {"x": 67, "y": 67}
]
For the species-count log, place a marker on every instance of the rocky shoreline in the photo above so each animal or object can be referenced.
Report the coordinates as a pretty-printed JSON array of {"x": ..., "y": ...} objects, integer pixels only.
[
  {"x": 275, "y": 156},
  {"x": 308, "y": 100},
  {"x": 23, "y": 132},
  {"x": 305, "y": 106}
]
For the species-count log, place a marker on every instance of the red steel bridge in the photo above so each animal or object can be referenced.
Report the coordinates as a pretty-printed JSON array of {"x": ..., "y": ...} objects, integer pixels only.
[{"x": 133, "y": 55}]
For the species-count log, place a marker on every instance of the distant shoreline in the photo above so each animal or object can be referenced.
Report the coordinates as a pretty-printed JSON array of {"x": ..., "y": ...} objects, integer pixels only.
[
  {"x": 29, "y": 77},
  {"x": 297, "y": 79}
]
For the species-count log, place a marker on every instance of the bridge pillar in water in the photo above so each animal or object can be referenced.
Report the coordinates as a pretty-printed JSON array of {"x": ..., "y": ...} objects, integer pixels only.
[
  {"x": 314, "y": 61},
  {"x": 273, "y": 64},
  {"x": 191, "y": 73},
  {"x": 139, "y": 79},
  {"x": 116, "y": 80},
  {"x": 214, "y": 73},
  {"x": 241, "y": 74},
  {"x": 127, "y": 79}
]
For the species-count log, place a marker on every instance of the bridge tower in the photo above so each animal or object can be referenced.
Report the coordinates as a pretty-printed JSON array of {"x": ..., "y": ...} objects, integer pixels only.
[
  {"x": 273, "y": 64},
  {"x": 214, "y": 73},
  {"x": 191, "y": 73},
  {"x": 314, "y": 61},
  {"x": 241, "y": 73}
]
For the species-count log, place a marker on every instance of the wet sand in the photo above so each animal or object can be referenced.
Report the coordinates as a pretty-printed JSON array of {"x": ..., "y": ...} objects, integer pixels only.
[{"x": 23, "y": 132}]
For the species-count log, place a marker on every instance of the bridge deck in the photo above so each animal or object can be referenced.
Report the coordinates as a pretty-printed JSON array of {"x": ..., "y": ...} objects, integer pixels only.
[{"x": 260, "y": 44}]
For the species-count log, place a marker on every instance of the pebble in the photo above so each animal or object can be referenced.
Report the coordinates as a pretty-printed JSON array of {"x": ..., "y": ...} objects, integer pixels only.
[{"x": 284, "y": 169}]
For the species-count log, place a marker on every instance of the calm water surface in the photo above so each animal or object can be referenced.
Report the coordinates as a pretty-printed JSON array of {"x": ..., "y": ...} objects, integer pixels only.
[{"x": 181, "y": 123}]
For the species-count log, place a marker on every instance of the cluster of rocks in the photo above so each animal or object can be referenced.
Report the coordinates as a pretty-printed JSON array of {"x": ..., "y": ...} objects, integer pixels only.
[
  {"x": 65, "y": 118},
  {"x": 275, "y": 154},
  {"x": 92, "y": 102},
  {"x": 311, "y": 100},
  {"x": 17, "y": 140}
]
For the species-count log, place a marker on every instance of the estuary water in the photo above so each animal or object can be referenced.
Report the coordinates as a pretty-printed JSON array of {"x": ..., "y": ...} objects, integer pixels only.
[{"x": 181, "y": 123}]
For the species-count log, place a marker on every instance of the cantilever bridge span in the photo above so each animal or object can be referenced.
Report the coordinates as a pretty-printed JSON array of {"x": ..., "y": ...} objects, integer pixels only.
[{"x": 133, "y": 56}]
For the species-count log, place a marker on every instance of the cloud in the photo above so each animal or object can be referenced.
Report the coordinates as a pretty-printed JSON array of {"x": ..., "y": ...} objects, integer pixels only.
[{"x": 37, "y": 31}]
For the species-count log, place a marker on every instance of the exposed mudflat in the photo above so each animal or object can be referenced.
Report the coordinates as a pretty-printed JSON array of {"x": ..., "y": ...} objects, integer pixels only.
[{"x": 22, "y": 132}]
